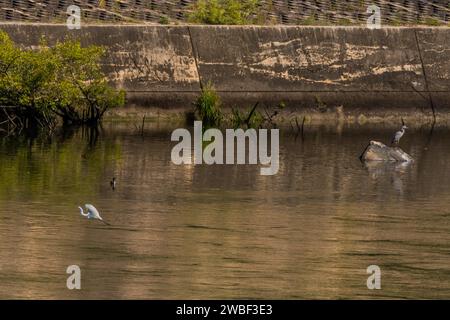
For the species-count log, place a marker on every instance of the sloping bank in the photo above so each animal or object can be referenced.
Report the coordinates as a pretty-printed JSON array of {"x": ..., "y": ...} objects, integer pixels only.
[{"x": 364, "y": 70}]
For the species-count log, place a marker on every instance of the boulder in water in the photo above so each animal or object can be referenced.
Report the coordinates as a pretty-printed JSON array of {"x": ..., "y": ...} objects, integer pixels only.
[{"x": 377, "y": 151}]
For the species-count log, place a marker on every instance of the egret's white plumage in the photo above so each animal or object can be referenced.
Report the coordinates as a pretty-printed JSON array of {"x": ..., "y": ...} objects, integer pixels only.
[{"x": 92, "y": 213}]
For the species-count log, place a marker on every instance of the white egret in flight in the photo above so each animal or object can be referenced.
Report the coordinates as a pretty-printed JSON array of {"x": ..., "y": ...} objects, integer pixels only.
[{"x": 92, "y": 213}]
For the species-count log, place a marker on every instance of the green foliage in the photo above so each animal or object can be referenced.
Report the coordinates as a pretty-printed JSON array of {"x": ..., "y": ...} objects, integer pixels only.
[
  {"x": 309, "y": 21},
  {"x": 25, "y": 81},
  {"x": 64, "y": 80},
  {"x": 312, "y": 21},
  {"x": 208, "y": 109},
  {"x": 208, "y": 106},
  {"x": 396, "y": 22},
  {"x": 344, "y": 22},
  {"x": 226, "y": 12},
  {"x": 164, "y": 20},
  {"x": 81, "y": 90},
  {"x": 430, "y": 21},
  {"x": 250, "y": 119}
]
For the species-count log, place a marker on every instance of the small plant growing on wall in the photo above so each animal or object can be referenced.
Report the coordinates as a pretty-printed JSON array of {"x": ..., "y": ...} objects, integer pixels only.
[
  {"x": 227, "y": 12},
  {"x": 208, "y": 106}
]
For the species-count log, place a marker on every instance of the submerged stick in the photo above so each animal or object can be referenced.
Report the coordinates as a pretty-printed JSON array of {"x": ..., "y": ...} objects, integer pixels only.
[
  {"x": 303, "y": 125},
  {"x": 143, "y": 124},
  {"x": 247, "y": 121},
  {"x": 300, "y": 129}
]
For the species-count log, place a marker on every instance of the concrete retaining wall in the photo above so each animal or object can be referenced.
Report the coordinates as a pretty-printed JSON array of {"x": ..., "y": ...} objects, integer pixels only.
[{"x": 165, "y": 66}]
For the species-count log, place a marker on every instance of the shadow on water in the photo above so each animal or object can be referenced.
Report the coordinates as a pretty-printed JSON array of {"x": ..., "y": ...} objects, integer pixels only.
[{"x": 198, "y": 231}]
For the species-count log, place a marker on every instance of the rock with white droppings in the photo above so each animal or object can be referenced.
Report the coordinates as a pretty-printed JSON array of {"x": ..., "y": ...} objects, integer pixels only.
[{"x": 377, "y": 151}]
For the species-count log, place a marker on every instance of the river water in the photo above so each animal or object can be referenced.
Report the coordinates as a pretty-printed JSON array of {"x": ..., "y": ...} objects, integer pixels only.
[{"x": 224, "y": 231}]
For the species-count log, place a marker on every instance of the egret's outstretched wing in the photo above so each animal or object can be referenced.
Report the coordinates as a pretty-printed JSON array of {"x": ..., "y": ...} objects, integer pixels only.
[{"x": 93, "y": 213}]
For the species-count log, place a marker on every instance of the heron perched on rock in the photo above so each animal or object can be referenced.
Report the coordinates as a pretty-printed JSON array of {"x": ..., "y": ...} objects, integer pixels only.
[
  {"x": 399, "y": 134},
  {"x": 92, "y": 213}
]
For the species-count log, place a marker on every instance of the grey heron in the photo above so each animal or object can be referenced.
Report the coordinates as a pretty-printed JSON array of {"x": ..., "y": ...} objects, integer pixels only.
[
  {"x": 398, "y": 135},
  {"x": 92, "y": 213}
]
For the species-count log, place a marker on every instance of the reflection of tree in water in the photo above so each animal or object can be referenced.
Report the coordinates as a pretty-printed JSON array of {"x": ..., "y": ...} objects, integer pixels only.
[
  {"x": 71, "y": 159},
  {"x": 89, "y": 134}
]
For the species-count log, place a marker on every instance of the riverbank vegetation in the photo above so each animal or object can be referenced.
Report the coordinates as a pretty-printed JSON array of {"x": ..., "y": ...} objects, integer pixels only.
[
  {"x": 225, "y": 12},
  {"x": 48, "y": 85},
  {"x": 208, "y": 108}
]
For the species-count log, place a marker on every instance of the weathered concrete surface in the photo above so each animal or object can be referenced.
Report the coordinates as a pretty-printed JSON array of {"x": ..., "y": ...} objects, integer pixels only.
[
  {"x": 308, "y": 59},
  {"x": 377, "y": 151},
  {"x": 435, "y": 49},
  {"x": 356, "y": 67},
  {"x": 155, "y": 65}
]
